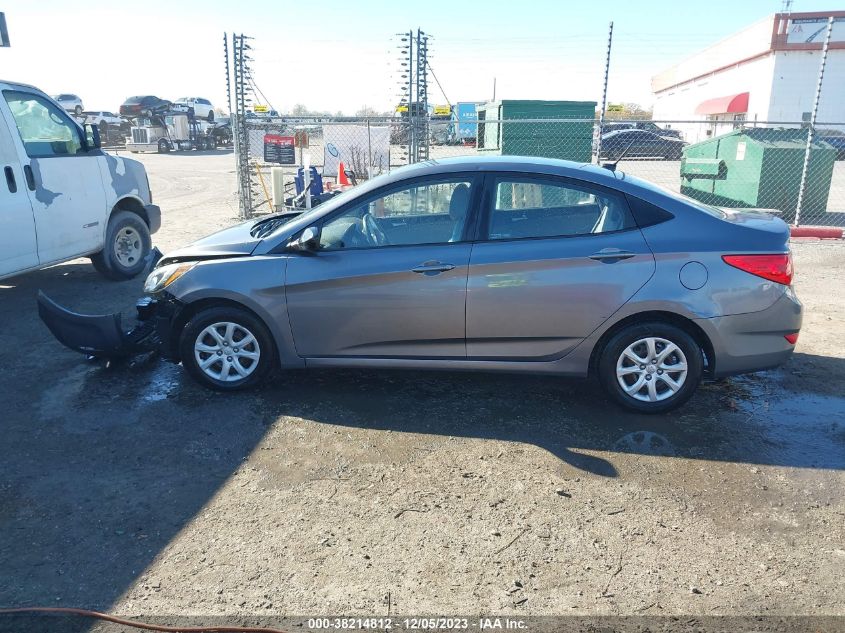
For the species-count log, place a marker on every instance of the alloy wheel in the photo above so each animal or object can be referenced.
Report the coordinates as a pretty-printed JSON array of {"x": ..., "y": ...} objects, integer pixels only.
[
  {"x": 227, "y": 351},
  {"x": 651, "y": 369}
]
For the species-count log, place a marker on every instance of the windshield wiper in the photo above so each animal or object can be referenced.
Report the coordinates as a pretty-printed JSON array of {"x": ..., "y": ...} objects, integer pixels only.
[{"x": 267, "y": 225}]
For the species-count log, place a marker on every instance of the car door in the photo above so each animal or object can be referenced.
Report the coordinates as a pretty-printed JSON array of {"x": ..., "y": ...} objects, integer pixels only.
[
  {"x": 18, "y": 248},
  {"x": 62, "y": 178},
  {"x": 389, "y": 277},
  {"x": 556, "y": 258}
]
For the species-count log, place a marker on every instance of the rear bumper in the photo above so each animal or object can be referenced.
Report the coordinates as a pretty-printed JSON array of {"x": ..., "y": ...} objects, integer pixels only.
[{"x": 745, "y": 343}]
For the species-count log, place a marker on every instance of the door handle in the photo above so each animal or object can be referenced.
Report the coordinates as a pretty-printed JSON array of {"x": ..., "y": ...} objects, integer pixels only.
[
  {"x": 10, "y": 179},
  {"x": 30, "y": 177},
  {"x": 432, "y": 268},
  {"x": 607, "y": 254}
]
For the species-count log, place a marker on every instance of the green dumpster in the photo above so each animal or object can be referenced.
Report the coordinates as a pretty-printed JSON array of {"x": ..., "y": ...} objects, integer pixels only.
[
  {"x": 565, "y": 140},
  {"x": 759, "y": 167}
]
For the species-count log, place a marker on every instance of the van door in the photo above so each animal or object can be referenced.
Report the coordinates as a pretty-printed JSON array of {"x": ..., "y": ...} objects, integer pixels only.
[
  {"x": 62, "y": 179},
  {"x": 18, "y": 248}
]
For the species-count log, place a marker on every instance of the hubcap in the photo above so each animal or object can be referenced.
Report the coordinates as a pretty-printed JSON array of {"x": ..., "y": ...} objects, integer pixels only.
[
  {"x": 127, "y": 246},
  {"x": 651, "y": 369},
  {"x": 227, "y": 351}
]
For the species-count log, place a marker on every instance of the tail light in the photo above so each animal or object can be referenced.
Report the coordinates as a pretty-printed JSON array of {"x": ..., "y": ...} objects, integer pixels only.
[
  {"x": 777, "y": 268},
  {"x": 792, "y": 338}
]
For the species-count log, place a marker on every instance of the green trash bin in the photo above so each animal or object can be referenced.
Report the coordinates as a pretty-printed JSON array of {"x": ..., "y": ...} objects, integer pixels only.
[{"x": 761, "y": 168}]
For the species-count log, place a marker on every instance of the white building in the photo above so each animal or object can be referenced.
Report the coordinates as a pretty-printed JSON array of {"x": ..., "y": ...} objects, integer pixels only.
[{"x": 765, "y": 73}]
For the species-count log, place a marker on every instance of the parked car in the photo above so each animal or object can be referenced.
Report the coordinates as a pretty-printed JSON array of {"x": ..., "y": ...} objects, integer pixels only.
[
  {"x": 202, "y": 107},
  {"x": 222, "y": 132},
  {"x": 144, "y": 105},
  {"x": 70, "y": 102},
  {"x": 102, "y": 117},
  {"x": 496, "y": 263},
  {"x": 835, "y": 138},
  {"x": 63, "y": 197},
  {"x": 640, "y": 144},
  {"x": 648, "y": 126}
]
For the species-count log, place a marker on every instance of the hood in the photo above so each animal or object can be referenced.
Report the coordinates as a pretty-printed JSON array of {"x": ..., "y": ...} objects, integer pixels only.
[{"x": 234, "y": 241}]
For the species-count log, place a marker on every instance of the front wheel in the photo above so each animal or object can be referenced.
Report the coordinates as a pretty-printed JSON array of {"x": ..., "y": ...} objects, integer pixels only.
[
  {"x": 226, "y": 348},
  {"x": 127, "y": 245},
  {"x": 651, "y": 368}
]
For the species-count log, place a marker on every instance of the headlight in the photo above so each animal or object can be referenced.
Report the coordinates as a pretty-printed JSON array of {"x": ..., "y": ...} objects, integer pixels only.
[{"x": 162, "y": 277}]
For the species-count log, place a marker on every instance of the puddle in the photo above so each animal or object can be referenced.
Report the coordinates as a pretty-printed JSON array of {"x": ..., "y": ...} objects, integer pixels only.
[
  {"x": 163, "y": 381},
  {"x": 803, "y": 429}
]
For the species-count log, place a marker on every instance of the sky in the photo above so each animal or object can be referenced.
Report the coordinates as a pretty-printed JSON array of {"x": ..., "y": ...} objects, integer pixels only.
[{"x": 336, "y": 55}]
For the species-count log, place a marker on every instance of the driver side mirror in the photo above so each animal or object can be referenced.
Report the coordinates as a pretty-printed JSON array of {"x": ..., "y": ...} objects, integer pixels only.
[
  {"x": 308, "y": 240},
  {"x": 92, "y": 136}
]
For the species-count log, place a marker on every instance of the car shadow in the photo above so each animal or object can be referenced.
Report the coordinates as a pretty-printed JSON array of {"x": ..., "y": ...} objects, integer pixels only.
[{"x": 103, "y": 468}]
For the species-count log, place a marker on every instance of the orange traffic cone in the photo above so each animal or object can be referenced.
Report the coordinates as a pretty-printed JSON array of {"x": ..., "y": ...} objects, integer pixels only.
[{"x": 342, "y": 179}]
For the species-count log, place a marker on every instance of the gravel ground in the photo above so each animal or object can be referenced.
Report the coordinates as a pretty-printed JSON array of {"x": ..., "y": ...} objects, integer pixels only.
[{"x": 131, "y": 489}]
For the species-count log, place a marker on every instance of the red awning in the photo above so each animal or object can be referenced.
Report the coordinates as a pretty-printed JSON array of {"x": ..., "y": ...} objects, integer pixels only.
[{"x": 724, "y": 105}]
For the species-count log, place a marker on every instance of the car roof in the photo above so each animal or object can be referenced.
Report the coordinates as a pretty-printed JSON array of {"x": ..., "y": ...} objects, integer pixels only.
[{"x": 519, "y": 164}]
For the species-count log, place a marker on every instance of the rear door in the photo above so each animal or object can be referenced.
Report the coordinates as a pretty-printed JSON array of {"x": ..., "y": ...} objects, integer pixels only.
[
  {"x": 389, "y": 278},
  {"x": 62, "y": 179},
  {"x": 556, "y": 258},
  {"x": 18, "y": 248}
]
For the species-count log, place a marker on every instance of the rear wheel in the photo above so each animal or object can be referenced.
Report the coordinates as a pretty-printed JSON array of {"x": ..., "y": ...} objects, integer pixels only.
[
  {"x": 651, "y": 368},
  {"x": 226, "y": 348},
  {"x": 127, "y": 245}
]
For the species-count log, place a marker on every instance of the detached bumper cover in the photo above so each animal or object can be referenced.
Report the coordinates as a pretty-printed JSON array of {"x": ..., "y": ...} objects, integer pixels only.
[{"x": 103, "y": 336}]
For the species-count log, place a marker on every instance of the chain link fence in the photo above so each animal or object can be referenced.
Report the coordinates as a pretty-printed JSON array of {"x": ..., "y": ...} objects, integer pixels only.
[{"x": 786, "y": 167}]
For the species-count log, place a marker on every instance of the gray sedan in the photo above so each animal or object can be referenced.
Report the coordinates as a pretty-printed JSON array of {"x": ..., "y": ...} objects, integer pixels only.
[{"x": 496, "y": 264}]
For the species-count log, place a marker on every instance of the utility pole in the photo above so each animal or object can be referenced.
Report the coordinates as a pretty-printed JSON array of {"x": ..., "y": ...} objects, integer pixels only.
[{"x": 604, "y": 94}]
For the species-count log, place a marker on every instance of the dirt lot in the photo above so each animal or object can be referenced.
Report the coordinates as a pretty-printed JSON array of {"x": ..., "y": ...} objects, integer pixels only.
[{"x": 363, "y": 492}]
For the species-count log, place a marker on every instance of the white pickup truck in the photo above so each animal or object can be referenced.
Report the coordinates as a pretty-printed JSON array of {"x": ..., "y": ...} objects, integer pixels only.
[{"x": 62, "y": 197}]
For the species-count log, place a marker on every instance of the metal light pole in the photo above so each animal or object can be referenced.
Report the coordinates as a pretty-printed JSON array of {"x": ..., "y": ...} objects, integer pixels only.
[{"x": 811, "y": 132}]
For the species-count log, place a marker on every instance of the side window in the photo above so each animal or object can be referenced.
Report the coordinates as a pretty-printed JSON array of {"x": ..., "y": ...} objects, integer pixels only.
[
  {"x": 431, "y": 212},
  {"x": 527, "y": 207},
  {"x": 45, "y": 129}
]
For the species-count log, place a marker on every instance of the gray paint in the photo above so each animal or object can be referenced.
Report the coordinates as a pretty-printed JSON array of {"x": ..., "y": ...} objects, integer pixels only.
[{"x": 536, "y": 305}]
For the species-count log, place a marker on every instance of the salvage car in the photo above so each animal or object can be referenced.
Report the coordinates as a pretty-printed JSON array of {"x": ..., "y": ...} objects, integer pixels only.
[
  {"x": 63, "y": 197},
  {"x": 503, "y": 263},
  {"x": 144, "y": 105}
]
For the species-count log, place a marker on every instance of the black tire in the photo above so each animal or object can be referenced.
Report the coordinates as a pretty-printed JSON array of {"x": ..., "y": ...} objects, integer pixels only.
[
  {"x": 242, "y": 318},
  {"x": 77, "y": 110},
  {"x": 125, "y": 228},
  {"x": 612, "y": 353},
  {"x": 163, "y": 146},
  {"x": 210, "y": 117}
]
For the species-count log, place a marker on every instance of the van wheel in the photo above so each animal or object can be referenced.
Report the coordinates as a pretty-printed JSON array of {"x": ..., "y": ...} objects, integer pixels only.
[
  {"x": 226, "y": 348},
  {"x": 210, "y": 117},
  {"x": 127, "y": 245},
  {"x": 651, "y": 368}
]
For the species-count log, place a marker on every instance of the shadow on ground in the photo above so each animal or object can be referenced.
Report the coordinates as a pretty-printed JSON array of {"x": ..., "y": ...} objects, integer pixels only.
[{"x": 102, "y": 468}]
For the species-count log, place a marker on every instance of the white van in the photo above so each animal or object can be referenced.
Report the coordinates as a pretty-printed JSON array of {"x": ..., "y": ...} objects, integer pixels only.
[{"x": 62, "y": 197}]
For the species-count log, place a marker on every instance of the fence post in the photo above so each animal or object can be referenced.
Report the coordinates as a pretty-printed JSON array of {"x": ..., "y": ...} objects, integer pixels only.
[
  {"x": 604, "y": 95},
  {"x": 811, "y": 130}
]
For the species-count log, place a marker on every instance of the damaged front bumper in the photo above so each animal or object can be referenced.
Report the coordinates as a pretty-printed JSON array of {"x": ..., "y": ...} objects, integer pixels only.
[{"x": 104, "y": 336}]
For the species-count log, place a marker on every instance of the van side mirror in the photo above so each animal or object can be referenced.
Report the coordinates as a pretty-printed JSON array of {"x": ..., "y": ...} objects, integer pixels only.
[
  {"x": 308, "y": 240},
  {"x": 92, "y": 136}
]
